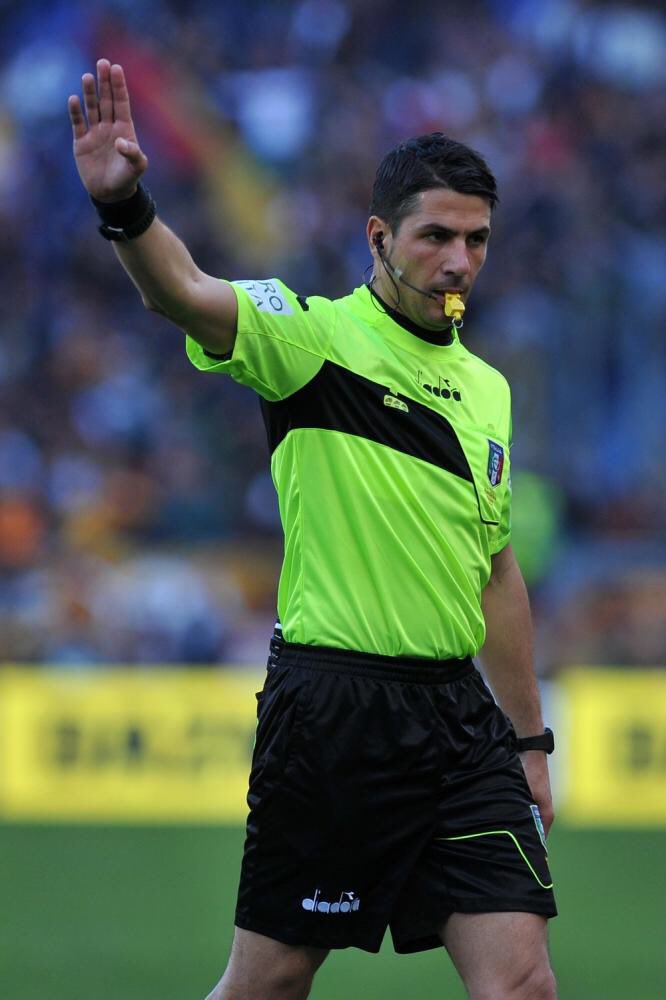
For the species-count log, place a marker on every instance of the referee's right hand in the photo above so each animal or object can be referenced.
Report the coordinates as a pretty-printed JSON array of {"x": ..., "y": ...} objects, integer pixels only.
[{"x": 107, "y": 153}]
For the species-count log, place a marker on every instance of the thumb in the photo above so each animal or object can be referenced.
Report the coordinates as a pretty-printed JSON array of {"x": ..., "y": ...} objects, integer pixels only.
[{"x": 132, "y": 152}]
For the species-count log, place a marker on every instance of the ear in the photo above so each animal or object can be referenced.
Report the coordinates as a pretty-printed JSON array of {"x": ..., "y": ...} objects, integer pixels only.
[{"x": 379, "y": 236}]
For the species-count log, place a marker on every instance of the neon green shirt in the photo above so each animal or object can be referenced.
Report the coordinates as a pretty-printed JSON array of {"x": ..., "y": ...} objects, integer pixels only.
[{"x": 390, "y": 457}]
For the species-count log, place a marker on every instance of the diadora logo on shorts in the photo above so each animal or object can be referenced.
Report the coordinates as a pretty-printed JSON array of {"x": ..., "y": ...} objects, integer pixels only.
[
  {"x": 443, "y": 388},
  {"x": 348, "y": 902}
]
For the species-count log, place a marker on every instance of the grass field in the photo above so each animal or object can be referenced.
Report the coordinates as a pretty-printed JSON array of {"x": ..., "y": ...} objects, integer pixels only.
[{"x": 121, "y": 913}]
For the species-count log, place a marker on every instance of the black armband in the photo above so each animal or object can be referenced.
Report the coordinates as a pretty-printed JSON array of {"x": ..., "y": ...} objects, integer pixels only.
[
  {"x": 125, "y": 220},
  {"x": 544, "y": 741}
]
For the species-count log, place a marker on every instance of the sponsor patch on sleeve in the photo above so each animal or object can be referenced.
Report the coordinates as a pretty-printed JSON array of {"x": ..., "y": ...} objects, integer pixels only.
[
  {"x": 267, "y": 296},
  {"x": 495, "y": 462}
]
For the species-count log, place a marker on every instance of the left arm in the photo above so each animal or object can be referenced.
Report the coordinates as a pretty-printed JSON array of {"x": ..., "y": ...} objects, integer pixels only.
[{"x": 508, "y": 660}]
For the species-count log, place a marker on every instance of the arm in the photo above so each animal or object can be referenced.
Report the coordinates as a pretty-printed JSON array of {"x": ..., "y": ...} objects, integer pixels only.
[
  {"x": 507, "y": 659},
  {"x": 110, "y": 164}
]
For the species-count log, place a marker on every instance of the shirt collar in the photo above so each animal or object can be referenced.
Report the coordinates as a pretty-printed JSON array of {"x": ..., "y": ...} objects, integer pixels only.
[{"x": 440, "y": 337}]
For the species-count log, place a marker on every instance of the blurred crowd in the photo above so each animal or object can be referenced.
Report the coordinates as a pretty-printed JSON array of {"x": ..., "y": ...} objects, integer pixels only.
[{"x": 138, "y": 522}]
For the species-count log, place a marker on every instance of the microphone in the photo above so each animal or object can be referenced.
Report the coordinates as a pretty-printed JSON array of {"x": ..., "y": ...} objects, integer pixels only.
[{"x": 454, "y": 307}]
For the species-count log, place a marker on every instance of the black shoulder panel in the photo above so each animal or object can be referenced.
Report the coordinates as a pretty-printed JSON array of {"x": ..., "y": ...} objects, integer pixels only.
[{"x": 337, "y": 399}]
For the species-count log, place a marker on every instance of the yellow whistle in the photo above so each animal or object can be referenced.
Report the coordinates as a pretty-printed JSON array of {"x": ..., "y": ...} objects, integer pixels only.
[{"x": 453, "y": 306}]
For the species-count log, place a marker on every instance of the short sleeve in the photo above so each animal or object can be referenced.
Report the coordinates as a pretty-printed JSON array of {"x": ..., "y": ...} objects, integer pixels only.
[{"x": 282, "y": 339}]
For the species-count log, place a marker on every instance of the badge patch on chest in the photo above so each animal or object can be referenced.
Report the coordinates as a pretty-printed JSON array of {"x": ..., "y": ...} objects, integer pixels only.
[
  {"x": 495, "y": 462},
  {"x": 395, "y": 403}
]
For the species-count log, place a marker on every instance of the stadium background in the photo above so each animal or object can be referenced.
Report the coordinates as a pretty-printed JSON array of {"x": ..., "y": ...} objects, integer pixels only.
[{"x": 138, "y": 525}]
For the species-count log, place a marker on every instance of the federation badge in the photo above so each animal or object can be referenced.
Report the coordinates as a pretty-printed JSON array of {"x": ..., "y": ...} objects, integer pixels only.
[{"x": 495, "y": 462}]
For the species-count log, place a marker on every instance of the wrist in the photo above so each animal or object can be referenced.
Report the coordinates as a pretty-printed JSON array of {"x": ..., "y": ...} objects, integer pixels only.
[
  {"x": 117, "y": 198},
  {"x": 126, "y": 218}
]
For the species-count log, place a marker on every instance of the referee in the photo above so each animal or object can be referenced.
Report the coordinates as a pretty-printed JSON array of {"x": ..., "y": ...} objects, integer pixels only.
[{"x": 388, "y": 789}]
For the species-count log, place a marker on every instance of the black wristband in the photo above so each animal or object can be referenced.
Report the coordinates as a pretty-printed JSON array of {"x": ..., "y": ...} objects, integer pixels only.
[
  {"x": 544, "y": 741},
  {"x": 125, "y": 220}
]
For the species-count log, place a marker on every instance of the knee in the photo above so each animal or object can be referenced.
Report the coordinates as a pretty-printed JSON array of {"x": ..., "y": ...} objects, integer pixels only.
[
  {"x": 548, "y": 985},
  {"x": 290, "y": 978},
  {"x": 537, "y": 984},
  {"x": 286, "y": 977}
]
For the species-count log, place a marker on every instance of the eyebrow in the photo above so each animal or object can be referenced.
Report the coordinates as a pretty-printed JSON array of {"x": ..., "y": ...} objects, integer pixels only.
[{"x": 435, "y": 227}]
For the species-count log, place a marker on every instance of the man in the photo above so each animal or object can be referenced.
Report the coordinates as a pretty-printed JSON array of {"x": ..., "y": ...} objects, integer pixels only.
[{"x": 386, "y": 787}]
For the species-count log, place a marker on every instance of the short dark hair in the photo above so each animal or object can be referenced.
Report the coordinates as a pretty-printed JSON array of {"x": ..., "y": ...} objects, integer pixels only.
[{"x": 426, "y": 162}]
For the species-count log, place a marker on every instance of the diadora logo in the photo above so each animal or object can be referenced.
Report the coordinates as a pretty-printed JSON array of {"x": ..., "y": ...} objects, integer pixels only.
[
  {"x": 443, "y": 388},
  {"x": 347, "y": 903}
]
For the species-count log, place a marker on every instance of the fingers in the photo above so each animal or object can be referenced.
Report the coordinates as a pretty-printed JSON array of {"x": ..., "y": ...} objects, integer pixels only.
[
  {"x": 104, "y": 90},
  {"x": 76, "y": 117},
  {"x": 121, "y": 102},
  {"x": 107, "y": 99},
  {"x": 90, "y": 99}
]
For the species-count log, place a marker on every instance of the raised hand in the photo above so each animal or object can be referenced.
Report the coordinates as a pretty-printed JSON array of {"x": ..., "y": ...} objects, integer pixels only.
[{"x": 107, "y": 153}]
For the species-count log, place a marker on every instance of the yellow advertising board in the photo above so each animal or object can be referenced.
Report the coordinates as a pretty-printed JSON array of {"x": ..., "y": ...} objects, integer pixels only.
[
  {"x": 174, "y": 745},
  {"x": 614, "y": 747},
  {"x": 120, "y": 744}
]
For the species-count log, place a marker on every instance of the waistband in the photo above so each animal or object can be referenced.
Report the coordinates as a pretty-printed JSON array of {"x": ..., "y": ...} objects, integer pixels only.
[{"x": 408, "y": 669}]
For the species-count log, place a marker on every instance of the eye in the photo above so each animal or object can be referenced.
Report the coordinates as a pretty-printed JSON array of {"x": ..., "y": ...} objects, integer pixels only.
[{"x": 477, "y": 239}]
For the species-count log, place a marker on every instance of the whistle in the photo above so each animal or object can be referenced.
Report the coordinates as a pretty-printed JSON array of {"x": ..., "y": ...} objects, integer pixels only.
[{"x": 453, "y": 306}]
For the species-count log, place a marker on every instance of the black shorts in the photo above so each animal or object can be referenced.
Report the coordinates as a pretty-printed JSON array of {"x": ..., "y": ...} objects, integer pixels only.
[{"x": 383, "y": 792}]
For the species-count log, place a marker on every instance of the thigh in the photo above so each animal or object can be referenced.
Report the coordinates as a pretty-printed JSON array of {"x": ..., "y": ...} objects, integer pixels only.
[
  {"x": 487, "y": 854},
  {"x": 261, "y": 968},
  {"x": 342, "y": 805},
  {"x": 500, "y": 955}
]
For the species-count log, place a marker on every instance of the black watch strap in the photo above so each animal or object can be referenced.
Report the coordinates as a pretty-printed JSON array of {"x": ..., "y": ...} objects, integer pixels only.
[{"x": 545, "y": 741}]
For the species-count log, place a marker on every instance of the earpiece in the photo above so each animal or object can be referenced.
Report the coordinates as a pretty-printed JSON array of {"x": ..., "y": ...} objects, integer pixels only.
[{"x": 378, "y": 240}]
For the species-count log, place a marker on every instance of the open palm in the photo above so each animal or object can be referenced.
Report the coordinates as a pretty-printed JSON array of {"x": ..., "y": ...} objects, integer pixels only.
[{"x": 108, "y": 157}]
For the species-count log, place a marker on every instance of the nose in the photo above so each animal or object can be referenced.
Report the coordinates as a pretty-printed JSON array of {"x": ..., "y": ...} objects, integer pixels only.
[{"x": 457, "y": 259}]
